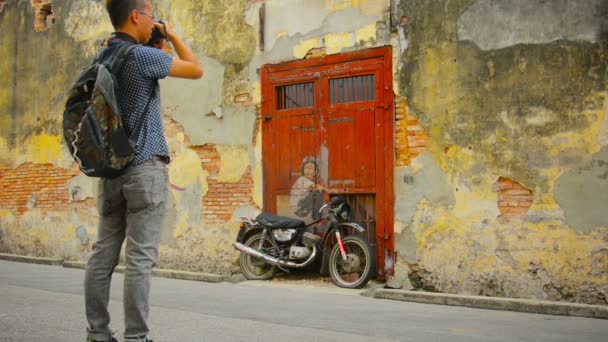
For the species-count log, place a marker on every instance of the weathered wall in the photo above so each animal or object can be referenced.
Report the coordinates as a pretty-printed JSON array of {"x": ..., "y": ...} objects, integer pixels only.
[
  {"x": 501, "y": 133},
  {"x": 509, "y": 197},
  {"x": 47, "y": 208}
]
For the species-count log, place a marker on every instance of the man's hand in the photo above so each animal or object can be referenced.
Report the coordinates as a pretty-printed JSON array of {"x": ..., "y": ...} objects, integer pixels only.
[
  {"x": 186, "y": 65},
  {"x": 164, "y": 28}
]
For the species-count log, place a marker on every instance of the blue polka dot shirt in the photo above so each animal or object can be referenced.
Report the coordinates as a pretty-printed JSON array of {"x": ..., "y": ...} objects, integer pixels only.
[{"x": 137, "y": 81}]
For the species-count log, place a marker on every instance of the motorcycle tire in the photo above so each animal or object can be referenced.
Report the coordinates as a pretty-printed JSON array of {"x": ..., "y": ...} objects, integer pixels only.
[
  {"x": 355, "y": 272},
  {"x": 255, "y": 268}
]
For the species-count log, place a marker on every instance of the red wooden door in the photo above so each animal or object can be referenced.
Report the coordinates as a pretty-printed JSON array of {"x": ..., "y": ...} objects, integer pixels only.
[{"x": 328, "y": 126}]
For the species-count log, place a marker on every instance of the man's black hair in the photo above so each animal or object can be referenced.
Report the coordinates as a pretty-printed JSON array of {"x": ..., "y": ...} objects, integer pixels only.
[
  {"x": 311, "y": 161},
  {"x": 120, "y": 10}
]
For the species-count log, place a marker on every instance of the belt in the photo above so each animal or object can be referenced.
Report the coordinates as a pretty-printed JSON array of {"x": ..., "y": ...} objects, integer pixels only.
[{"x": 159, "y": 158}]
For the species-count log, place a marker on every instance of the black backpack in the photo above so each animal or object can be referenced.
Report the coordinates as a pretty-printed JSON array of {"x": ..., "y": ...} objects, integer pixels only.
[{"x": 92, "y": 122}]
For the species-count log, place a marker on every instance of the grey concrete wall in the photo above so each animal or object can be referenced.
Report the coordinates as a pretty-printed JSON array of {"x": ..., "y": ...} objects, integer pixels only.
[
  {"x": 582, "y": 193},
  {"x": 506, "y": 89},
  {"x": 498, "y": 24}
]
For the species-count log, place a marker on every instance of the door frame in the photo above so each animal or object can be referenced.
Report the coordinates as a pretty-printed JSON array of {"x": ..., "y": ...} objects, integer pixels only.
[{"x": 343, "y": 64}]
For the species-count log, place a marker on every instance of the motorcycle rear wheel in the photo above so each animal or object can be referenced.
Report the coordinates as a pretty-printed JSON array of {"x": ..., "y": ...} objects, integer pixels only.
[
  {"x": 255, "y": 268},
  {"x": 355, "y": 271}
]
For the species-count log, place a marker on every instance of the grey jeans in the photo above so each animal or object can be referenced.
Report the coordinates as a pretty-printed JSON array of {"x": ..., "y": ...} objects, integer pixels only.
[{"x": 131, "y": 206}]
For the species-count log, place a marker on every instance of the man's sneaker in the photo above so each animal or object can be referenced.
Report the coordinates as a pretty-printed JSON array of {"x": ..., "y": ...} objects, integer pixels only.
[{"x": 112, "y": 340}]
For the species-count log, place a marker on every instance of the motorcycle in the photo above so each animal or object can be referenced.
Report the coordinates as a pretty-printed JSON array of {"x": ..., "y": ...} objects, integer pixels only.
[{"x": 271, "y": 242}]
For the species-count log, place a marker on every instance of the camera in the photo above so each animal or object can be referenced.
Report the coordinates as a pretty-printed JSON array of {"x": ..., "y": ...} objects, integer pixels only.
[{"x": 157, "y": 35}]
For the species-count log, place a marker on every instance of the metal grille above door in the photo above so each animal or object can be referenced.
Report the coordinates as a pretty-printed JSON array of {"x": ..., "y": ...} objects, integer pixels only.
[
  {"x": 296, "y": 96},
  {"x": 352, "y": 89}
]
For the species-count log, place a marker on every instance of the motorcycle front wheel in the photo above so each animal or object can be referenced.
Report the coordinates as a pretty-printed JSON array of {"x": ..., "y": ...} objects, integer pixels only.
[
  {"x": 355, "y": 271},
  {"x": 255, "y": 268}
]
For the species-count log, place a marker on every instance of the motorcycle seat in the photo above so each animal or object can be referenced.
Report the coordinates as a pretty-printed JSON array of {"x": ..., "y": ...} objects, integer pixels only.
[{"x": 276, "y": 222}]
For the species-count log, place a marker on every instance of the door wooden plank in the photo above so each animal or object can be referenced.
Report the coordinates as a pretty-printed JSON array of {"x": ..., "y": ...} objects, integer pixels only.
[
  {"x": 365, "y": 162},
  {"x": 389, "y": 164},
  {"x": 284, "y": 137}
]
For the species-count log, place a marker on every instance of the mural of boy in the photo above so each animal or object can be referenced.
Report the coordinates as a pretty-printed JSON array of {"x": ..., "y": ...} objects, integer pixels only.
[
  {"x": 85, "y": 241},
  {"x": 306, "y": 196},
  {"x": 81, "y": 231}
]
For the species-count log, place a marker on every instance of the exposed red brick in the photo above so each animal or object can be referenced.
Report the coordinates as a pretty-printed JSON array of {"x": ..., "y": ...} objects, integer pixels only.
[
  {"x": 45, "y": 16},
  {"x": 244, "y": 100},
  {"x": 222, "y": 198},
  {"x": 410, "y": 137},
  {"x": 514, "y": 199},
  {"x": 44, "y": 181}
]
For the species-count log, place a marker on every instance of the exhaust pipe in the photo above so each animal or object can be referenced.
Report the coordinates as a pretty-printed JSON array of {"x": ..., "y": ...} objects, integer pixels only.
[{"x": 274, "y": 261}]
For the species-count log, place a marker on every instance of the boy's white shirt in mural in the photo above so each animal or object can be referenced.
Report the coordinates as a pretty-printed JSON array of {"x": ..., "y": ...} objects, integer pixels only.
[{"x": 300, "y": 189}]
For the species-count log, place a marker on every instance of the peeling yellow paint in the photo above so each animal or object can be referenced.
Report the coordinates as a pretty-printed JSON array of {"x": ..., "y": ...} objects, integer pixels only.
[
  {"x": 586, "y": 141},
  {"x": 257, "y": 93},
  {"x": 80, "y": 26},
  {"x": 457, "y": 249},
  {"x": 180, "y": 227},
  {"x": 218, "y": 27},
  {"x": 234, "y": 162},
  {"x": 396, "y": 65},
  {"x": 545, "y": 200},
  {"x": 456, "y": 157},
  {"x": 180, "y": 12},
  {"x": 433, "y": 70},
  {"x": 338, "y": 5},
  {"x": 476, "y": 206},
  {"x": 366, "y": 33},
  {"x": 335, "y": 42},
  {"x": 368, "y": 7},
  {"x": 563, "y": 252},
  {"x": 439, "y": 98},
  {"x": 4, "y": 213},
  {"x": 300, "y": 50},
  {"x": 43, "y": 148},
  {"x": 186, "y": 170},
  {"x": 258, "y": 189},
  {"x": 4, "y": 151}
]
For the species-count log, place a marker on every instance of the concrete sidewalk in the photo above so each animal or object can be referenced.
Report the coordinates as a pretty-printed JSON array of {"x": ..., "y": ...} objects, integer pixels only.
[{"x": 374, "y": 291}]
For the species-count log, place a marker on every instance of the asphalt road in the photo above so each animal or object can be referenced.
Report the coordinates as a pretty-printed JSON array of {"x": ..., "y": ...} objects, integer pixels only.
[{"x": 45, "y": 303}]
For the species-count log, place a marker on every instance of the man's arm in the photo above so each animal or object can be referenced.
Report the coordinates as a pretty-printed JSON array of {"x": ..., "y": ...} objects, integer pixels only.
[{"x": 186, "y": 65}]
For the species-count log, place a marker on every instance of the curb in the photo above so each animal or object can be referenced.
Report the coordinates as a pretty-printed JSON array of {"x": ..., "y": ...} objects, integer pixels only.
[
  {"x": 78, "y": 264},
  {"x": 493, "y": 303},
  {"x": 185, "y": 275},
  {"x": 159, "y": 272},
  {"x": 164, "y": 273},
  {"x": 31, "y": 259}
]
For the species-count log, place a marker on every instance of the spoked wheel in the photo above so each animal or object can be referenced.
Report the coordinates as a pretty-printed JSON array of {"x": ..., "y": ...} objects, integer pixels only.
[
  {"x": 255, "y": 268},
  {"x": 355, "y": 271}
]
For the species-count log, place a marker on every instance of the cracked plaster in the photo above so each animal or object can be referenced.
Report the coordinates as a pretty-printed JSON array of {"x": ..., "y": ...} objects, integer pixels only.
[{"x": 498, "y": 24}]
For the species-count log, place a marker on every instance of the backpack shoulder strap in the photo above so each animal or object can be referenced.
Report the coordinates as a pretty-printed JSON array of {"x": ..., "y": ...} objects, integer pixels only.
[{"x": 123, "y": 51}]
